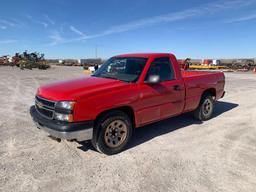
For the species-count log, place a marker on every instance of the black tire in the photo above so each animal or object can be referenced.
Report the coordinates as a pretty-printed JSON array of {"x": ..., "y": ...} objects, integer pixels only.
[
  {"x": 205, "y": 109},
  {"x": 102, "y": 138}
]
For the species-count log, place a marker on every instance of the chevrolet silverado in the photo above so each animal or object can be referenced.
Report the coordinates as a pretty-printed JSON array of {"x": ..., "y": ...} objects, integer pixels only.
[{"x": 126, "y": 92}]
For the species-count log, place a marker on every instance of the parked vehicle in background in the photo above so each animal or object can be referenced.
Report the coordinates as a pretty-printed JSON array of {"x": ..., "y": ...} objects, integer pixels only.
[
  {"x": 216, "y": 62},
  {"x": 126, "y": 92},
  {"x": 207, "y": 62}
]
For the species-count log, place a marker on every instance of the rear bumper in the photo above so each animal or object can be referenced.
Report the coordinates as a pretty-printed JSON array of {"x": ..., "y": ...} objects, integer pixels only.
[{"x": 80, "y": 131}]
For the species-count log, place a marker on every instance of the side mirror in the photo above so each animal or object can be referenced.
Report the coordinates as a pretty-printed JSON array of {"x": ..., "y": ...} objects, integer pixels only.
[{"x": 153, "y": 79}]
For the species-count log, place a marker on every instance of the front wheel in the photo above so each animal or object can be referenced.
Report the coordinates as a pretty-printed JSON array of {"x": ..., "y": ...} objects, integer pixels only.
[
  {"x": 114, "y": 132},
  {"x": 205, "y": 109}
]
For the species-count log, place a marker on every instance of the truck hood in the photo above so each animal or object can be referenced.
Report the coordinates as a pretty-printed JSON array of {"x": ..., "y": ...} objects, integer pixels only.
[{"x": 77, "y": 88}]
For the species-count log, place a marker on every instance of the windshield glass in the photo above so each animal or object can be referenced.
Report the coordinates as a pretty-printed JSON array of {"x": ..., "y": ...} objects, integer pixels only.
[{"x": 122, "y": 68}]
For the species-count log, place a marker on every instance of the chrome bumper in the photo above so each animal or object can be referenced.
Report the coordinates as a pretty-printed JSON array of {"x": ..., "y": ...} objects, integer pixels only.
[
  {"x": 80, "y": 131},
  {"x": 82, "y": 135}
]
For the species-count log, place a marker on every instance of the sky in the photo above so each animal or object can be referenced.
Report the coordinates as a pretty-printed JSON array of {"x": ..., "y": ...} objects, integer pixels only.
[{"x": 88, "y": 29}]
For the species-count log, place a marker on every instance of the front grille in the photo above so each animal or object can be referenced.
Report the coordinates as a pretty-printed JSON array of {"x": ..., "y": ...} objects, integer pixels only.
[
  {"x": 45, "y": 112},
  {"x": 45, "y": 107},
  {"x": 47, "y": 103}
]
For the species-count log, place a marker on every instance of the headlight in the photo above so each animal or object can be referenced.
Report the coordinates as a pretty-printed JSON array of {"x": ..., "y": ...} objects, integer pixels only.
[
  {"x": 63, "y": 117},
  {"x": 69, "y": 105},
  {"x": 64, "y": 111}
]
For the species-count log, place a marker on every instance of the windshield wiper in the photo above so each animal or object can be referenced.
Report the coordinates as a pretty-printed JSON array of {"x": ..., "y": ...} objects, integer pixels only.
[
  {"x": 111, "y": 77},
  {"x": 108, "y": 77}
]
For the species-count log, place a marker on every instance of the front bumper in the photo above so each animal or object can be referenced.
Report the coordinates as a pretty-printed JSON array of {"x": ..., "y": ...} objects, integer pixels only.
[{"x": 80, "y": 131}]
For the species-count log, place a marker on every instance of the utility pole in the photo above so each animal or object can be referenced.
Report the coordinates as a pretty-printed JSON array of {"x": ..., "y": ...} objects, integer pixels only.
[{"x": 96, "y": 52}]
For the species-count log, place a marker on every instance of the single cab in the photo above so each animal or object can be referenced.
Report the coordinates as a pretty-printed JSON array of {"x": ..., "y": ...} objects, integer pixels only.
[{"x": 126, "y": 92}]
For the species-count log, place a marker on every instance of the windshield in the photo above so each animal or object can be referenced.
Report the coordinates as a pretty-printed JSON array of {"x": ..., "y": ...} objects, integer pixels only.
[{"x": 126, "y": 69}]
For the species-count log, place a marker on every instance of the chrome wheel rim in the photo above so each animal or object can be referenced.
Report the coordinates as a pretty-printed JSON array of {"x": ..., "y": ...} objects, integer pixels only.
[
  {"x": 115, "y": 134},
  {"x": 207, "y": 107}
]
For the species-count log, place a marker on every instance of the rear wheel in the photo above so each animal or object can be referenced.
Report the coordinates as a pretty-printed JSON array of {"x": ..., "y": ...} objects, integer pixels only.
[
  {"x": 113, "y": 132},
  {"x": 205, "y": 109}
]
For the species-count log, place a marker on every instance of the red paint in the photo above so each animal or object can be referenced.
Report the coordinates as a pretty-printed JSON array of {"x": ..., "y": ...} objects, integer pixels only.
[{"x": 150, "y": 103}]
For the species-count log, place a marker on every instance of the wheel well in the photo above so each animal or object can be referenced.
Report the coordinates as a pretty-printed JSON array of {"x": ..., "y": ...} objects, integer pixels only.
[
  {"x": 210, "y": 91},
  {"x": 126, "y": 109}
]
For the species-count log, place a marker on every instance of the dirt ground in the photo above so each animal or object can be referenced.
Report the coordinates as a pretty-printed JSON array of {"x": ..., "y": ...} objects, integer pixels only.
[{"x": 178, "y": 154}]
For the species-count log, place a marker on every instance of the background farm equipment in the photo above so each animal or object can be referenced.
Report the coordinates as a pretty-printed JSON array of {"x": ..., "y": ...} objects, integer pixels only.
[
  {"x": 30, "y": 61},
  {"x": 212, "y": 64},
  {"x": 244, "y": 64},
  {"x": 238, "y": 64},
  {"x": 5, "y": 60},
  {"x": 184, "y": 64}
]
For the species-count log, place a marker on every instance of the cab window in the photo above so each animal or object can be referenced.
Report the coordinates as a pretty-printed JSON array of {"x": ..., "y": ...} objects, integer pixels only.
[{"x": 161, "y": 67}]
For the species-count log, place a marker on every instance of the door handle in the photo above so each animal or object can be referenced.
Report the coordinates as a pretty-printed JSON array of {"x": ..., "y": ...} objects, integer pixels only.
[{"x": 177, "y": 88}]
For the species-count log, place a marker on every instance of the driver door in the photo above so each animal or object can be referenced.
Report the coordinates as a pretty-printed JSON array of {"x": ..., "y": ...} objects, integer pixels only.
[{"x": 163, "y": 99}]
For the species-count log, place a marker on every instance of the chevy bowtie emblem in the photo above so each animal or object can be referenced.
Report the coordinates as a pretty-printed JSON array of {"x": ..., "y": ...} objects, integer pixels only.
[{"x": 39, "y": 105}]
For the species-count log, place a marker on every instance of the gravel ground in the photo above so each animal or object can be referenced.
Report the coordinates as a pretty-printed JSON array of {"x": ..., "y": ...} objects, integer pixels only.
[{"x": 178, "y": 154}]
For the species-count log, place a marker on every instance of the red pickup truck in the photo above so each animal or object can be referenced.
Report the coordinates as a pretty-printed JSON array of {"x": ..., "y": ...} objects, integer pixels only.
[{"x": 126, "y": 92}]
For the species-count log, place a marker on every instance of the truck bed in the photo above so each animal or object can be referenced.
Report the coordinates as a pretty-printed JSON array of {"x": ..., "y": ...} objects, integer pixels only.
[{"x": 198, "y": 81}]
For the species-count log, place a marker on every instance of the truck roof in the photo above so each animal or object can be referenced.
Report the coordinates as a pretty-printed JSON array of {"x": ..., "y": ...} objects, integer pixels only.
[{"x": 145, "y": 55}]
